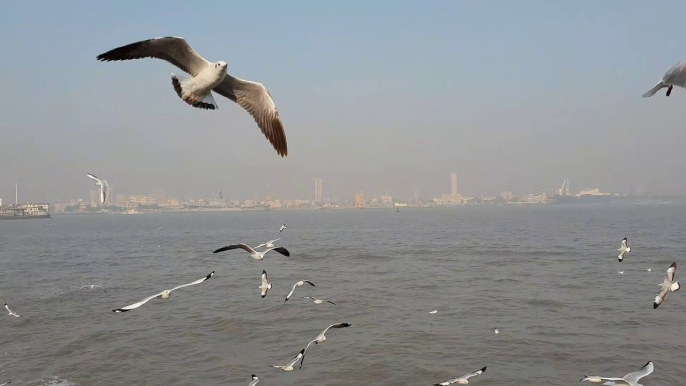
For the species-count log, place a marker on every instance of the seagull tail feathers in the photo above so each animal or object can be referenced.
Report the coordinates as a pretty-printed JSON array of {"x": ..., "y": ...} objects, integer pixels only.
[
  {"x": 183, "y": 87},
  {"x": 655, "y": 89}
]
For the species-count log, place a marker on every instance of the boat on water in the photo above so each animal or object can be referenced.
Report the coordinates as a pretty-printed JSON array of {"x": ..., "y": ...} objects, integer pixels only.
[
  {"x": 586, "y": 196},
  {"x": 24, "y": 212}
]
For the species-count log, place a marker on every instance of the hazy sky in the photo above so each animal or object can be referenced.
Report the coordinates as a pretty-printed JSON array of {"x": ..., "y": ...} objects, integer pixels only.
[{"x": 374, "y": 96}]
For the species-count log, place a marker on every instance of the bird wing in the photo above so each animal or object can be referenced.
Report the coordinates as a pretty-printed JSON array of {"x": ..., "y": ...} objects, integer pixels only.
[
  {"x": 254, "y": 380},
  {"x": 624, "y": 244},
  {"x": 195, "y": 282},
  {"x": 103, "y": 288},
  {"x": 309, "y": 282},
  {"x": 174, "y": 50},
  {"x": 337, "y": 325},
  {"x": 242, "y": 246},
  {"x": 472, "y": 374},
  {"x": 281, "y": 250},
  {"x": 259, "y": 246},
  {"x": 296, "y": 358},
  {"x": 136, "y": 305},
  {"x": 102, "y": 195},
  {"x": 304, "y": 352},
  {"x": 329, "y": 301},
  {"x": 95, "y": 178},
  {"x": 272, "y": 241},
  {"x": 8, "y": 308},
  {"x": 265, "y": 278},
  {"x": 255, "y": 99},
  {"x": 671, "y": 272},
  {"x": 634, "y": 377},
  {"x": 290, "y": 293}
]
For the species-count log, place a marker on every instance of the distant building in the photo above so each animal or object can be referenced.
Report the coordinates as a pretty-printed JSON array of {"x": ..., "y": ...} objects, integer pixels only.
[
  {"x": 387, "y": 200},
  {"x": 142, "y": 200},
  {"x": 318, "y": 190},
  {"x": 507, "y": 196},
  {"x": 453, "y": 184},
  {"x": 0, "y": 201},
  {"x": 94, "y": 198},
  {"x": 121, "y": 198}
]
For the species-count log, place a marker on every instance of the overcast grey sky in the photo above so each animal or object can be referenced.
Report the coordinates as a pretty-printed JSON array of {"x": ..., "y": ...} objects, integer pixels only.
[{"x": 374, "y": 96}]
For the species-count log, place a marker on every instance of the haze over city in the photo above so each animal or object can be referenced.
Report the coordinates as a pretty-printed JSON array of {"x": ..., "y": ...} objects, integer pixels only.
[{"x": 375, "y": 97}]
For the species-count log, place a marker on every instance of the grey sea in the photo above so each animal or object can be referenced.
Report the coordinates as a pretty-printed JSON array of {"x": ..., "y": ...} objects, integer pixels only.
[{"x": 546, "y": 276}]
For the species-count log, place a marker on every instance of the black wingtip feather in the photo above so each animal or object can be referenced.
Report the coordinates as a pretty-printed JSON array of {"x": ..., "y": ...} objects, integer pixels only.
[
  {"x": 483, "y": 369},
  {"x": 222, "y": 249}
]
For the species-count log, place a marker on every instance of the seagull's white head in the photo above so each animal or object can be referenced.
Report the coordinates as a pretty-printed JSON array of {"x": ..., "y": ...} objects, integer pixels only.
[
  {"x": 221, "y": 66},
  {"x": 165, "y": 295}
]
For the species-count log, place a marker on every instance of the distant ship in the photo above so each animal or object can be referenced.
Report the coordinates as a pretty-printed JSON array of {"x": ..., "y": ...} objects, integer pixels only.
[
  {"x": 24, "y": 212},
  {"x": 587, "y": 196}
]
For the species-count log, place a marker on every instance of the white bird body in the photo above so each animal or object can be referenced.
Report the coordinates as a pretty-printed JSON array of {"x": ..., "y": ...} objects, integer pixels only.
[
  {"x": 283, "y": 226},
  {"x": 433, "y": 312},
  {"x": 630, "y": 379},
  {"x": 206, "y": 77},
  {"x": 166, "y": 294},
  {"x": 496, "y": 331},
  {"x": 675, "y": 76},
  {"x": 11, "y": 313},
  {"x": 623, "y": 249},
  {"x": 649, "y": 269},
  {"x": 318, "y": 301},
  {"x": 253, "y": 253},
  {"x": 667, "y": 286},
  {"x": 289, "y": 366},
  {"x": 463, "y": 380},
  {"x": 266, "y": 285},
  {"x": 620, "y": 272},
  {"x": 298, "y": 284}
]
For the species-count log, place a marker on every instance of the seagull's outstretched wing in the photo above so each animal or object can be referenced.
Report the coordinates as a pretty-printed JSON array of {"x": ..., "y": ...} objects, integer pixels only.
[
  {"x": 195, "y": 282},
  {"x": 462, "y": 378},
  {"x": 634, "y": 377},
  {"x": 174, "y": 50},
  {"x": 94, "y": 177},
  {"x": 281, "y": 250},
  {"x": 671, "y": 272},
  {"x": 337, "y": 325},
  {"x": 295, "y": 359},
  {"x": 265, "y": 283},
  {"x": 136, "y": 305},
  {"x": 255, "y": 99},
  {"x": 242, "y": 246},
  {"x": 305, "y": 351},
  {"x": 254, "y": 380}
]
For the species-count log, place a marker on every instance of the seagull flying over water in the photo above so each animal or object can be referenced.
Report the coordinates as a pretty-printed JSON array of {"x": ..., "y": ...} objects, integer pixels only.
[
  {"x": 11, "y": 313},
  {"x": 321, "y": 338},
  {"x": 254, "y": 380},
  {"x": 620, "y": 272},
  {"x": 104, "y": 187},
  {"x": 283, "y": 226},
  {"x": 318, "y": 301},
  {"x": 6, "y": 383},
  {"x": 266, "y": 285},
  {"x": 496, "y": 331},
  {"x": 433, "y": 312},
  {"x": 92, "y": 287},
  {"x": 268, "y": 244},
  {"x": 463, "y": 380},
  {"x": 253, "y": 253},
  {"x": 298, "y": 284},
  {"x": 289, "y": 366},
  {"x": 675, "y": 76},
  {"x": 649, "y": 269},
  {"x": 162, "y": 295},
  {"x": 668, "y": 285},
  {"x": 630, "y": 379},
  {"x": 623, "y": 249},
  {"x": 207, "y": 77}
]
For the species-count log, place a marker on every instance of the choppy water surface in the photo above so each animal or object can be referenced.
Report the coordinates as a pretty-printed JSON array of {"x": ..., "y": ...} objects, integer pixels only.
[{"x": 546, "y": 276}]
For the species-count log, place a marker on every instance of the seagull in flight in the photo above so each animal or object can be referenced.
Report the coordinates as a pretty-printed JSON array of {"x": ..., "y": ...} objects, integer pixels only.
[
  {"x": 254, "y": 380},
  {"x": 675, "y": 76},
  {"x": 649, "y": 269},
  {"x": 266, "y": 285},
  {"x": 206, "y": 77},
  {"x": 11, "y": 313},
  {"x": 623, "y": 249},
  {"x": 6, "y": 383},
  {"x": 268, "y": 244},
  {"x": 620, "y": 272},
  {"x": 92, "y": 287},
  {"x": 496, "y": 331},
  {"x": 289, "y": 366},
  {"x": 630, "y": 379},
  {"x": 253, "y": 253},
  {"x": 433, "y": 312},
  {"x": 283, "y": 226},
  {"x": 104, "y": 187},
  {"x": 162, "y": 295},
  {"x": 668, "y": 285},
  {"x": 298, "y": 284},
  {"x": 463, "y": 380},
  {"x": 318, "y": 301},
  {"x": 321, "y": 338}
]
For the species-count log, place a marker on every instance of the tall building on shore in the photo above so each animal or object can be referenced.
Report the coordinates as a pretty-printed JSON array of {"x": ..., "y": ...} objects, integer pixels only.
[
  {"x": 94, "y": 198},
  {"x": 318, "y": 190},
  {"x": 453, "y": 184}
]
